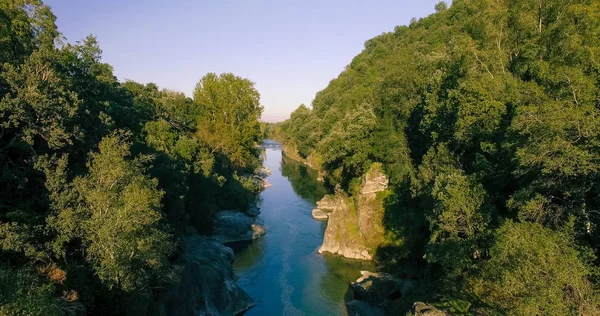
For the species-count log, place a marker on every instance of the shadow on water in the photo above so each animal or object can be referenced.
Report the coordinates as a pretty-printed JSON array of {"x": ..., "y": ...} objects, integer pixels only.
[
  {"x": 303, "y": 179},
  {"x": 341, "y": 271},
  {"x": 282, "y": 271},
  {"x": 253, "y": 250}
]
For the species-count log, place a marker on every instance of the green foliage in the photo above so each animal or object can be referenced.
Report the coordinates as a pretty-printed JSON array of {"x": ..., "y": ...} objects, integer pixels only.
[
  {"x": 441, "y": 6},
  {"x": 22, "y": 293},
  {"x": 98, "y": 177},
  {"x": 483, "y": 112},
  {"x": 537, "y": 271},
  {"x": 121, "y": 208},
  {"x": 229, "y": 117}
]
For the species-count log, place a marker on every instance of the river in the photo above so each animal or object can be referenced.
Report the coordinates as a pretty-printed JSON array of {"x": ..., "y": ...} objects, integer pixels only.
[{"x": 283, "y": 271}]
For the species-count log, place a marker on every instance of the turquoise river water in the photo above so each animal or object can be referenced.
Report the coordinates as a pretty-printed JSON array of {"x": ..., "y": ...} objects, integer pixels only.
[{"x": 283, "y": 271}]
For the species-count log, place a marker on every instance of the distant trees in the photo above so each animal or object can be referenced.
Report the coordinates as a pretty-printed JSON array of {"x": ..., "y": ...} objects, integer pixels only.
[{"x": 484, "y": 116}]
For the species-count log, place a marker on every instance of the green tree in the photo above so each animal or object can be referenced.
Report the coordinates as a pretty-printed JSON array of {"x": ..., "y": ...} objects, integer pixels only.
[
  {"x": 116, "y": 212},
  {"x": 537, "y": 271},
  {"x": 229, "y": 108}
]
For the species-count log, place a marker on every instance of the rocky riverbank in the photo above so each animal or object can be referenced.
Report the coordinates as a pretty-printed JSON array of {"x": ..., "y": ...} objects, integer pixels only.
[
  {"x": 379, "y": 294},
  {"x": 355, "y": 225},
  {"x": 231, "y": 226},
  {"x": 206, "y": 285}
]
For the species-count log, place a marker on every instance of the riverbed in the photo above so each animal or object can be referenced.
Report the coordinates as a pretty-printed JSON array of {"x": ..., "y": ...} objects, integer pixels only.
[{"x": 283, "y": 271}]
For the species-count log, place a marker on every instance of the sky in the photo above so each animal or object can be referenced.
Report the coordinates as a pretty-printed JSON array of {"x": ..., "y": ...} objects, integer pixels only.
[{"x": 291, "y": 49}]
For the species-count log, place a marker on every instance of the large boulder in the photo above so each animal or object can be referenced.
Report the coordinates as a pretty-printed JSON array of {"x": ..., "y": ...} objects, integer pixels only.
[
  {"x": 373, "y": 294},
  {"x": 230, "y": 226},
  {"x": 326, "y": 206},
  {"x": 355, "y": 227},
  {"x": 379, "y": 288},
  {"x": 206, "y": 282},
  {"x": 362, "y": 308},
  {"x": 263, "y": 172},
  {"x": 253, "y": 211}
]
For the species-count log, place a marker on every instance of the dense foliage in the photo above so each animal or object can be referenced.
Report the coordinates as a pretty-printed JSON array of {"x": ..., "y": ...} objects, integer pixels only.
[
  {"x": 98, "y": 177},
  {"x": 486, "y": 117}
]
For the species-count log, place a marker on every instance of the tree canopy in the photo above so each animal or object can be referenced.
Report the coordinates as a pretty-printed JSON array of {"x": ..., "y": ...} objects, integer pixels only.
[
  {"x": 99, "y": 177},
  {"x": 485, "y": 117}
]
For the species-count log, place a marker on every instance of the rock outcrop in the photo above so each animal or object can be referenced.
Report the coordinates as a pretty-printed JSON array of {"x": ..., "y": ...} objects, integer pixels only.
[
  {"x": 319, "y": 215},
  {"x": 342, "y": 235},
  {"x": 355, "y": 227},
  {"x": 260, "y": 178},
  {"x": 380, "y": 293},
  {"x": 326, "y": 206},
  {"x": 362, "y": 308},
  {"x": 253, "y": 211},
  {"x": 233, "y": 226},
  {"x": 206, "y": 284},
  {"x": 422, "y": 309},
  {"x": 379, "y": 288},
  {"x": 329, "y": 203},
  {"x": 263, "y": 172}
]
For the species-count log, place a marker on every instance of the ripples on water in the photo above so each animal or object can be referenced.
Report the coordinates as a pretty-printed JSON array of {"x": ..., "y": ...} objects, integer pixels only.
[{"x": 283, "y": 271}]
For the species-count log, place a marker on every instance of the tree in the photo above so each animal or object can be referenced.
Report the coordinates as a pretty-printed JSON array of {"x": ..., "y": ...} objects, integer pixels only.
[
  {"x": 441, "y": 6},
  {"x": 229, "y": 109},
  {"x": 535, "y": 271},
  {"x": 117, "y": 210}
]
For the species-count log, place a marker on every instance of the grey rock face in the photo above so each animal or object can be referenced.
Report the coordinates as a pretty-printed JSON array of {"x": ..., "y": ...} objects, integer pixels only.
[
  {"x": 375, "y": 291},
  {"x": 342, "y": 236},
  {"x": 232, "y": 226},
  {"x": 207, "y": 283},
  {"x": 362, "y": 308},
  {"x": 378, "y": 288},
  {"x": 253, "y": 211}
]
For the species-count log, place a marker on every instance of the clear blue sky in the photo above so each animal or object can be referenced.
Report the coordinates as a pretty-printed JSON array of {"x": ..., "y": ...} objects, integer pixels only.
[{"x": 291, "y": 49}]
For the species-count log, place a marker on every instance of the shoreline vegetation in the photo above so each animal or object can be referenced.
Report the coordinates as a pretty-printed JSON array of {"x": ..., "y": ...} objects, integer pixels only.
[
  {"x": 108, "y": 189},
  {"x": 484, "y": 119},
  {"x": 462, "y": 150}
]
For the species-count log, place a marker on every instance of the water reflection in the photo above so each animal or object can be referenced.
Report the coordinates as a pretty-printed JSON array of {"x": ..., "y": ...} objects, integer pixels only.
[
  {"x": 282, "y": 271},
  {"x": 339, "y": 271},
  {"x": 253, "y": 250},
  {"x": 303, "y": 179}
]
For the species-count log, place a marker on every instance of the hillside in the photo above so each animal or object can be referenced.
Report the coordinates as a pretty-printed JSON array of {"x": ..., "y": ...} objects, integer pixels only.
[{"x": 486, "y": 118}]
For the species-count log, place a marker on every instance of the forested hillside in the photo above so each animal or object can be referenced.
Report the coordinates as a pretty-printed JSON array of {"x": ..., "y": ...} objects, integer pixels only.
[
  {"x": 486, "y": 118},
  {"x": 98, "y": 177}
]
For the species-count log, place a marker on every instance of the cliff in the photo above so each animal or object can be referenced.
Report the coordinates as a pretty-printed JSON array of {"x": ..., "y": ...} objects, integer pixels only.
[{"x": 355, "y": 227}]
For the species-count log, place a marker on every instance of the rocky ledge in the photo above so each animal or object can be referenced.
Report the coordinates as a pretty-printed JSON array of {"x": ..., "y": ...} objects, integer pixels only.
[
  {"x": 233, "y": 226},
  {"x": 206, "y": 284},
  {"x": 260, "y": 178},
  {"x": 319, "y": 215},
  {"x": 374, "y": 293},
  {"x": 326, "y": 206},
  {"x": 355, "y": 227}
]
